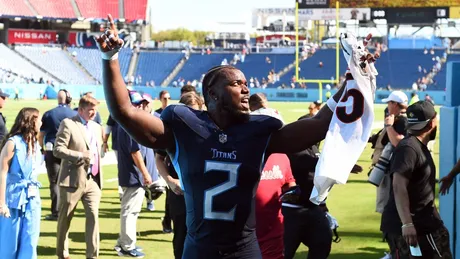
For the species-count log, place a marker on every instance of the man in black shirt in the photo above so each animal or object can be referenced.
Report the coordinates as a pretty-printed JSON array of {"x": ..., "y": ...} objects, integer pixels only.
[
  {"x": 50, "y": 125},
  {"x": 3, "y": 130},
  {"x": 410, "y": 217}
]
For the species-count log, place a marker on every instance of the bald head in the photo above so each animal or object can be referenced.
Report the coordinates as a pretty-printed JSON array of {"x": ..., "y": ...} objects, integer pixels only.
[{"x": 61, "y": 96}]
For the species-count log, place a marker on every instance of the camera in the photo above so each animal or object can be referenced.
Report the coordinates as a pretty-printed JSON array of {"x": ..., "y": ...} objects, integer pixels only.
[{"x": 380, "y": 169}]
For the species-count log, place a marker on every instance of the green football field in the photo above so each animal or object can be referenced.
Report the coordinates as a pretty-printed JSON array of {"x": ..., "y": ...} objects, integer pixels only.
[{"x": 352, "y": 204}]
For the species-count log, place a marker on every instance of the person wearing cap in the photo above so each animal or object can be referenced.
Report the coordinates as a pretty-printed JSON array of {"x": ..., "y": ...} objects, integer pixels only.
[
  {"x": 393, "y": 132},
  {"x": 3, "y": 129},
  {"x": 410, "y": 218},
  {"x": 134, "y": 164}
]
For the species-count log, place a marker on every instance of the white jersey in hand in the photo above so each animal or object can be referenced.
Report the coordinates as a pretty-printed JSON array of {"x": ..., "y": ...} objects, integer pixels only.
[{"x": 350, "y": 126}]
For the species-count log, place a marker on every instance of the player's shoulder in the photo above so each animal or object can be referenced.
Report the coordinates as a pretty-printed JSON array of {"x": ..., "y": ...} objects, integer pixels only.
[
  {"x": 179, "y": 112},
  {"x": 269, "y": 122}
]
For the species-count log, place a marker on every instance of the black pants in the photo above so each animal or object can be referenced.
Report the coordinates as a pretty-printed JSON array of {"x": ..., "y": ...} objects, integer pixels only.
[
  {"x": 53, "y": 166},
  {"x": 180, "y": 232},
  {"x": 433, "y": 246},
  {"x": 249, "y": 250},
  {"x": 167, "y": 218},
  {"x": 310, "y": 227}
]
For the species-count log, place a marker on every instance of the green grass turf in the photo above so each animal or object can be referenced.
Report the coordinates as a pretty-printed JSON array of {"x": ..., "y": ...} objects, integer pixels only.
[{"x": 352, "y": 204}]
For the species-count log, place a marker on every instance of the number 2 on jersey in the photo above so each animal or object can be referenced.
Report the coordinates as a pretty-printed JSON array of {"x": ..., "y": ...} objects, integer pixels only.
[
  {"x": 209, "y": 194},
  {"x": 358, "y": 107}
]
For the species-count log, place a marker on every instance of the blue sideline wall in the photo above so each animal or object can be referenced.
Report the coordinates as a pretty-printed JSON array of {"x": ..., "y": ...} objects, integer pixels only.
[
  {"x": 449, "y": 152},
  {"x": 32, "y": 91}
]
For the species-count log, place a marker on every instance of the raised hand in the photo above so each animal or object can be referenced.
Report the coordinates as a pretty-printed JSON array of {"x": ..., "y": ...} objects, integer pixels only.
[{"x": 108, "y": 42}]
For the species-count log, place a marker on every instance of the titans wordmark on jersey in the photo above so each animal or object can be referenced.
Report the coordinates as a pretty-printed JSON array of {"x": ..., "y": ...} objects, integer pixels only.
[{"x": 219, "y": 172}]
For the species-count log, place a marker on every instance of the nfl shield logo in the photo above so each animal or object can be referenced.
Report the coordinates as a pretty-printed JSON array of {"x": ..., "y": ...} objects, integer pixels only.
[{"x": 222, "y": 138}]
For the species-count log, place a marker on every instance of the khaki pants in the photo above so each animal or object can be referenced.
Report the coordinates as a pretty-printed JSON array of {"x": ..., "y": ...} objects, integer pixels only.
[{"x": 68, "y": 200}]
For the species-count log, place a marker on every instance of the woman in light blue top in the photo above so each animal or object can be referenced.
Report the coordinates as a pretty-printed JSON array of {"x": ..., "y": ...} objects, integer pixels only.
[{"x": 20, "y": 204}]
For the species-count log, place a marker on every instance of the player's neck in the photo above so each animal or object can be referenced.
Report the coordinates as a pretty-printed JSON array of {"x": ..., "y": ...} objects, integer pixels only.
[{"x": 221, "y": 121}]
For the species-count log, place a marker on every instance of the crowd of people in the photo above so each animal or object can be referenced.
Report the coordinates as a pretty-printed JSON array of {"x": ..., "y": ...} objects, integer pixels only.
[{"x": 239, "y": 179}]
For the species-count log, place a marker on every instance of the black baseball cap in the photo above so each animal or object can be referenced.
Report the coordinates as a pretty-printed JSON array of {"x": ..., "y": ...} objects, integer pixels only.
[
  {"x": 419, "y": 115},
  {"x": 3, "y": 94}
]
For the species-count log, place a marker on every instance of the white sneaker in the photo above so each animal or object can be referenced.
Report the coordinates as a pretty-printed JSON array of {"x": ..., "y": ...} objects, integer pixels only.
[{"x": 150, "y": 206}]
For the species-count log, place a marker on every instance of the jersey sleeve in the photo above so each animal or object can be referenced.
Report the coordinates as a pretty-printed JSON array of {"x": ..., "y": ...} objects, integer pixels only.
[
  {"x": 168, "y": 116},
  {"x": 110, "y": 121},
  {"x": 404, "y": 161}
]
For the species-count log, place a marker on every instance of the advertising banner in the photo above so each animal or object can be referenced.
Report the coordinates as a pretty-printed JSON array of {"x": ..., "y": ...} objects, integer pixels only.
[{"x": 31, "y": 36}]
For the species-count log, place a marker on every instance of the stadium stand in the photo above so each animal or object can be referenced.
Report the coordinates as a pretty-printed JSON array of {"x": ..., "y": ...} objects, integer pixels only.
[
  {"x": 310, "y": 68},
  {"x": 198, "y": 64},
  {"x": 57, "y": 62},
  {"x": 10, "y": 60},
  {"x": 135, "y": 10},
  {"x": 90, "y": 59},
  {"x": 257, "y": 65},
  {"x": 55, "y": 9},
  {"x": 440, "y": 78},
  {"x": 398, "y": 67},
  {"x": 99, "y": 9},
  {"x": 156, "y": 66},
  {"x": 14, "y": 7}
]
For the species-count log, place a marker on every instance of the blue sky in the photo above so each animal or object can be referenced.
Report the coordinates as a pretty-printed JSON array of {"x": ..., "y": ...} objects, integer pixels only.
[{"x": 204, "y": 14}]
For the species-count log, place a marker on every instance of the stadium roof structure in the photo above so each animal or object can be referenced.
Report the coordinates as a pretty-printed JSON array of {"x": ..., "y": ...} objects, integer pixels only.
[{"x": 129, "y": 11}]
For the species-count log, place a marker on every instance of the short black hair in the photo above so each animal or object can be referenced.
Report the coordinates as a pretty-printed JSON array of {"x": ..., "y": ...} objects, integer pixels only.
[
  {"x": 187, "y": 89},
  {"x": 212, "y": 76},
  {"x": 163, "y": 92}
]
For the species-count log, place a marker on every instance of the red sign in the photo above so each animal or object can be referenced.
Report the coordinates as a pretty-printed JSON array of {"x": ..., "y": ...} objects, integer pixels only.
[{"x": 31, "y": 36}]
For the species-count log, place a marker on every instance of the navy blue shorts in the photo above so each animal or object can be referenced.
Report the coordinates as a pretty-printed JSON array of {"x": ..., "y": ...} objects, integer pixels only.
[{"x": 248, "y": 250}]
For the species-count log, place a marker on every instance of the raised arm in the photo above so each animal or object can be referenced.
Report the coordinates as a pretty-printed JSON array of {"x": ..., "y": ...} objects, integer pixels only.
[
  {"x": 302, "y": 134},
  {"x": 146, "y": 129}
]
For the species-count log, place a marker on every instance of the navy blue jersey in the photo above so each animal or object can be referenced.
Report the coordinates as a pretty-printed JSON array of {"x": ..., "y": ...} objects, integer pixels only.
[{"x": 219, "y": 172}]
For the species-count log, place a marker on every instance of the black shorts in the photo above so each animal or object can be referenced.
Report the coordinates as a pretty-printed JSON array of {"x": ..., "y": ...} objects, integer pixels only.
[{"x": 248, "y": 250}]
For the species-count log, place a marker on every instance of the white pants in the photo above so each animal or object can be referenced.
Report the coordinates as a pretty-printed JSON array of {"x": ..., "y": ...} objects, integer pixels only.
[{"x": 131, "y": 205}]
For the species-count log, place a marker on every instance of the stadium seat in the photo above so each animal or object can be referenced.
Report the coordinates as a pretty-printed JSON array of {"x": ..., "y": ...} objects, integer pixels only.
[
  {"x": 90, "y": 59},
  {"x": 440, "y": 78},
  {"x": 14, "y": 7},
  {"x": 10, "y": 60},
  {"x": 255, "y": 65},
  {"x": 198, "y": 64},
  {"x": 57, "y": 62},
  {"x": 135, "y": 9},
  {"x": 56, "y": 8},
  {"x": 156, "y": 66},
  {"x": 98, "y": 9}
]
